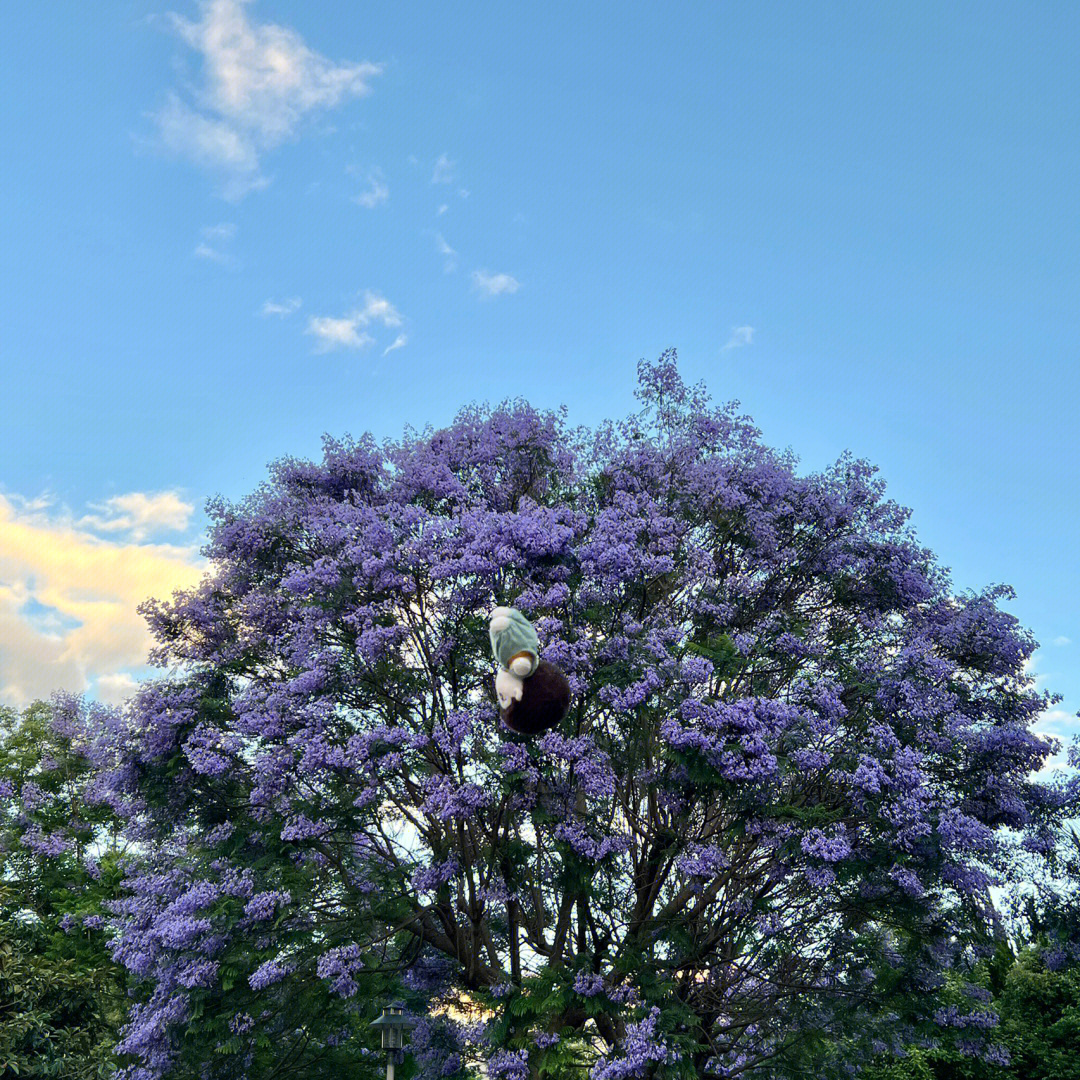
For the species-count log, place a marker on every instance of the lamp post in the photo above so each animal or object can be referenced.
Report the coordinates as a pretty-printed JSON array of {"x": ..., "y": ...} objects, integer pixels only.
[{"x": 392, "y": 1024}]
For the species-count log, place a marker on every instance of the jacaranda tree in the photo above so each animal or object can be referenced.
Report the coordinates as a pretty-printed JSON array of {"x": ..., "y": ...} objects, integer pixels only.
[{"x": 759, "y": 845}]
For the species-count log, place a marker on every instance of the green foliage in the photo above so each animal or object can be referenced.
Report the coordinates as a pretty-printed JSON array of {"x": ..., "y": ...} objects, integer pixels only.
[
  {"x": 62, "y": 999},
  {"x": 1039, "y": 1026},
  {"x": 1040, "y": 1012}
]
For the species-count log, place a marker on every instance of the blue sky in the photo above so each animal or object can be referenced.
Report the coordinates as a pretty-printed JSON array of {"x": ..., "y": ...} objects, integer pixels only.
[{"x": 230, "y": 227}]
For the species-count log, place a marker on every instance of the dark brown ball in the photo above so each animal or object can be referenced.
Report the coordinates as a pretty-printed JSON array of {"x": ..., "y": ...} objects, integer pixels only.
[{"x": 545, "y": 700}]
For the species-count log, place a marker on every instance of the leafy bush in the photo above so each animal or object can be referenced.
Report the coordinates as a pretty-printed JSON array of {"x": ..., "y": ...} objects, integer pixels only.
[{"x": 62, "y": 998}]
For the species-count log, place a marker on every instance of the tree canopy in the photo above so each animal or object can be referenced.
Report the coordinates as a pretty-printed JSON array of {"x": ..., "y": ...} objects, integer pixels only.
[
  {"x": 61, "y": 996},
  {"x": 762, "y": 840}
]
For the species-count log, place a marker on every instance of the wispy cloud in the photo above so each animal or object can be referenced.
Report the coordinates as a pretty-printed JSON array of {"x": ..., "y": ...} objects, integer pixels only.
[
  {"x": 225, "y": 230},
  {"x": 205, "y": 251},
  {"x": 740, "y": 336},
  {"x": 70, "y": 588},
  {"x": 214, "y": 242},
  {"x": 378, "y": 308},
  {"x": 349, "y": 331},
  {"x": 281, "y": 308},
  {"x": 377, "y": 191},
  {"x": 213, "y": 144},
  {"x": 1059, "y": 725},
  {"x": 398, "y": 342},
  {"x": 115, "y": 689},
  {"x": 442, "y": 209},
  {"x": 139, "y": 514},
  {"x": 444, "y": 170},
  {"x": 343, "y": 333},
  {"x": 448, "y": 253},
  {"x": 1032, "y": 667},
  {"x": 259, "y": 81},
  {"x": 1062, "y": 640},
  {"x": 494, "y": 284}
]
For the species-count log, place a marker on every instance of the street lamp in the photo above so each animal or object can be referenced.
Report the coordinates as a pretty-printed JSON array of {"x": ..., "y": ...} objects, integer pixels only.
[{"x": 392, "y": 1024}]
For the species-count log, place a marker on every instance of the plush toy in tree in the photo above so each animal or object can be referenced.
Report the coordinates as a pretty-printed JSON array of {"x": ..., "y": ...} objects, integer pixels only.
[{"x": 533, "y": 694}]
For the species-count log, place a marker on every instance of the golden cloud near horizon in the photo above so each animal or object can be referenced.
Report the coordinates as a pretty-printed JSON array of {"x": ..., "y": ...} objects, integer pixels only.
[{"x": 69, "y": 597}]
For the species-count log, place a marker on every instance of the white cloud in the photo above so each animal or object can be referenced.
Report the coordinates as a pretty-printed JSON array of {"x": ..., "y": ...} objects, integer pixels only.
[
  {"x": 740, "y": 336},
  {"x": 139, "y": 514},
  {"x": 281, "y": 308},
  {"x": 47, "y": 621},
  {"x": 494, "y": 284},
  {"x": 444, "y": 170},
  {"x": 115, "y": 689},
  {"x": 442, "y": 210},
  {"x": 68, "y": 597},
  {"x": 1030, "y": 667},
  {"x": 1062, "y": 640},
  {"x": 226, "y": 230},
  {"x": 215, "y": 240},
  {"x": 377, "y": 193},
  {"x": 350, "y": 331},
  {"x": 399, "y": 341},
  {"x": 205, "y": 251},
  {"x": 379, "y": 309},
  {"x": 338, "y": 333},
  {"x": 1062, "y": 726},
  {"x": 213, "y": 144},
  {"x": 258, "y": 83},
  {"x": 449, "y": 254}
]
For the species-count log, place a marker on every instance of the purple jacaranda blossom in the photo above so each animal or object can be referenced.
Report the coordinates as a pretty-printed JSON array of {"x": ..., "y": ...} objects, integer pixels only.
[
  {"x": 267, "y": 973},
  {"x": 827, "y": 848},
  {"x": 588, "y": 984},
  {"x": 265, "y": 905},
  {"x": 595, "y": 849},
  {"x": 240, "y": 1023},
  {"x": 637, "y": 1053},
  {"x": 338, "y": 966},
  {"x": 703, "y": 861},
  {"x": 51, "y": 844},
  {"x": 431, "y": 877},
  {"x": 952, "y": 1016},
  {"x": 508, "y": 1065},
  {"x": 33, "y": 798}
]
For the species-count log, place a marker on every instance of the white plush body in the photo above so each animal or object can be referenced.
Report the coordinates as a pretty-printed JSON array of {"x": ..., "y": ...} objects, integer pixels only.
[{"x": 508, "y": 687}]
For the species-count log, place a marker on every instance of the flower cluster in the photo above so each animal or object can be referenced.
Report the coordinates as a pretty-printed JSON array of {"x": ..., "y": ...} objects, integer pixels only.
[{"x": 637, "y": 1053}]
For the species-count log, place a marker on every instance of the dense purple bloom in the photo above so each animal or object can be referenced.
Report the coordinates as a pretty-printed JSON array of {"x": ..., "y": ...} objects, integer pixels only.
[
  {"x": 265, "y": 905},
  {"x": 588, "y": 984},
  {"x": 338, "y": 966},
  {"x": 828, "y": 848},
  {"x": 638, "y": 1051},
  {"x": 267, "y": 973},
  {"x": 508, "y": 1065}
]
